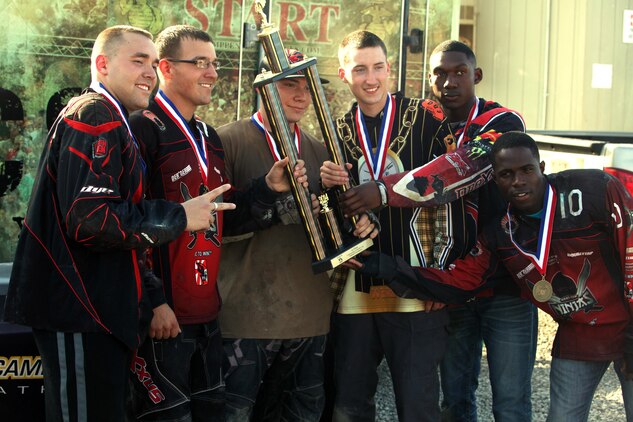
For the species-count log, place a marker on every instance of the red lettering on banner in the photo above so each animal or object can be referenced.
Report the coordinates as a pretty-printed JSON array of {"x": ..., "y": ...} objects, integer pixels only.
[
  {"x": 198, "y": 14},
  {"x": 299, "y": 14},
  {"x": 292, "y": 16},
  {"x": 227, "y": 16},
  {"x": 324, "y": 20}
]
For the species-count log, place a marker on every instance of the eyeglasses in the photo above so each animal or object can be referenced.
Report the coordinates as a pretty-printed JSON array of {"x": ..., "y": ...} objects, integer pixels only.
[{"x": 200, "y": 63}]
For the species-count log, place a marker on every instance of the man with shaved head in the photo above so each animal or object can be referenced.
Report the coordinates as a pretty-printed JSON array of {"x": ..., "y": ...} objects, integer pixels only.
[{"x": 78, "y": 273}]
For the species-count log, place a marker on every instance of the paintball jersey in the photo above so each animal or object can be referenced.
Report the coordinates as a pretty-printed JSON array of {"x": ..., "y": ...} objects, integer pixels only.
[
  {"x": 589, "y": 265},
  {"x": 185, "y": 159}
]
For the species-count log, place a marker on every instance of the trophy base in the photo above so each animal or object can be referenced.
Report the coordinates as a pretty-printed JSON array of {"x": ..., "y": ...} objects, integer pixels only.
[{"x": 341, "y": 256}]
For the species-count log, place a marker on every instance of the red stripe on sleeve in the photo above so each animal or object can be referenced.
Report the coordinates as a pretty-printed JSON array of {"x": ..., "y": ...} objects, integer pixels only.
[
  {"x": 89, "y": 129},
  {"x": 81, "y": 155}
]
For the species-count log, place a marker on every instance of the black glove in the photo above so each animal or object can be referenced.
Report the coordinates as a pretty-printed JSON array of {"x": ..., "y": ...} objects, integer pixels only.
[
  {"x": 378, "y": 265},
  {"x": 395, "y": 271}
]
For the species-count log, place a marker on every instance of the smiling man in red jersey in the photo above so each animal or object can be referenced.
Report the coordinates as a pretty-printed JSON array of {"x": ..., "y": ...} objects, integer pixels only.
[{"x": 183, "y": 354}]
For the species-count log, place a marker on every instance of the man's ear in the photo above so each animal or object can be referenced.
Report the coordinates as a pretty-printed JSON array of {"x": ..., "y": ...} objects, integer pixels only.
[
  {"x": 101, "y": 64},
  {"x": 542, "y": 167},
  {"x": 165, "y": 68},
  {"x": 479, "y": 75},
  {"x": 341, "y": 74}
]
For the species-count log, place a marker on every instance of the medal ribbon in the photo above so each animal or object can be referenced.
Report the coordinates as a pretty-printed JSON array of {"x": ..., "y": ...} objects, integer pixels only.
[
  {"x": 257, "y": 120},
  {"x": 376, "y": 160},
  {"x": 98, "y": 87},
  {"x": 539, "y": 259},
  {"x": 199, "y": 147},
  {"x": 474, "y": 111}
]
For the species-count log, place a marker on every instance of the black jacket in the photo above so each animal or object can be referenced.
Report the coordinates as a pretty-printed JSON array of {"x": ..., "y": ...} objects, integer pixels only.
[{"x": 76, "y": 267}]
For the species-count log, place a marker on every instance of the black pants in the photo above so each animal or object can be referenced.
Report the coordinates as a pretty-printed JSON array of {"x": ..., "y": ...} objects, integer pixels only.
[
  {"x": 413, "y": 344},
  {"x": 274, "y": 380},
  {"x": 180, "y": 378},
  {"x": 85, "y": 376}
]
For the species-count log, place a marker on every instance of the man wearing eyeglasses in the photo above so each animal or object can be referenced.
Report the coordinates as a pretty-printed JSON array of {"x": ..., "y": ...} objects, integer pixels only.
[{"x": 177, "y": 371}]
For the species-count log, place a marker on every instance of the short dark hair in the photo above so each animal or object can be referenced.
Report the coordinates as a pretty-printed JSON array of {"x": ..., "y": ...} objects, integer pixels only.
[
  {"x": 358, "y": 40},
  {"x": 168, "y": 41},
  {"x": 458, "y": 47},
  {"x": 514, "y": 139}
]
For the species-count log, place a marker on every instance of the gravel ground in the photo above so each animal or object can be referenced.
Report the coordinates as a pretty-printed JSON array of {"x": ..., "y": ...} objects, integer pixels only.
[{"x": 607, "y": 404}]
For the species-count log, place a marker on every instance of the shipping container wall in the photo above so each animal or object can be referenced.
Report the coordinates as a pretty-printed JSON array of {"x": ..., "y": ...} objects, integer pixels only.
[{"x": 564, "y": 64}]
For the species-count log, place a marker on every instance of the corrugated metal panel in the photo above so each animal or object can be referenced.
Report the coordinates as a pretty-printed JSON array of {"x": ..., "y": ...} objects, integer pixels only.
[
  {"x": 510, "y": 41},
  {"x": 550, "y": 82}
]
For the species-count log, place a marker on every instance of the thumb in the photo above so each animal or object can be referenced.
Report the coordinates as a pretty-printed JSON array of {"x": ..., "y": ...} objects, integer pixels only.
[{"x": 281, "y": 163}]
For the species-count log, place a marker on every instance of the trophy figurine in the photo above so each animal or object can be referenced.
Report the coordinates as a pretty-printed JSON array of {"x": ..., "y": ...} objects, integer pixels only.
[{"x": 330, "y": 236}]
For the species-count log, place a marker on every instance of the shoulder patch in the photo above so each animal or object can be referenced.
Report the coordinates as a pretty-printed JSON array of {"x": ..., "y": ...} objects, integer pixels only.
[
  {"x": 154, "y": 118},
  {"x": 99, "y": 148},
  {"x": 434, "y": 108}
]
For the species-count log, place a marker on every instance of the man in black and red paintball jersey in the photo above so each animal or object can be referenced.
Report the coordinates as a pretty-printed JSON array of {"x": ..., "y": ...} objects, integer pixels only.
[
  {"x": 76, "y": 275},
  {"x": 566, "y": 241},
  {"x": 183, "y": 354}
]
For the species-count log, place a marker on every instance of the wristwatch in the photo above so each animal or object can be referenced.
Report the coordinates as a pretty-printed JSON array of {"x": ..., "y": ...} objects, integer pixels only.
[{"x": 383, "y": 192}]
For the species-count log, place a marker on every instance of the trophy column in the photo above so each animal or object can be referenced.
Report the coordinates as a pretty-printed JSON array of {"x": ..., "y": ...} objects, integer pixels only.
[{"x": 330, "y": 245}]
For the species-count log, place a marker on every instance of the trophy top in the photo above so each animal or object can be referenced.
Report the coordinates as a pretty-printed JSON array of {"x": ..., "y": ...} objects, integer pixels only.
[
  {"x": 258, "y": 13},
  {"x": 324, "y": 200}
]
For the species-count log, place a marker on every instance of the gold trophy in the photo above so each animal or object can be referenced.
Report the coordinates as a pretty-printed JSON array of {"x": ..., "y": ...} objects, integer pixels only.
[{"x": 331, "y": 246}]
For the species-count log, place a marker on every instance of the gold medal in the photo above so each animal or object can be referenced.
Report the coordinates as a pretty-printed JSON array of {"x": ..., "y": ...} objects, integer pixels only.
[{"x": 542, "y": 291}]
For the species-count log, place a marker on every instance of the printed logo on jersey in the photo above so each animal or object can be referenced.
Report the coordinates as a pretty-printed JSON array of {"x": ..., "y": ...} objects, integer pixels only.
[
  {"x": 154, "y": 118},
  {"x": 181, "y": 173},
  {"x": 576, "y": 254},
  {"x": 504, "y": 224},
  {"x": 434, "y": 108},
  {"x": 210, "y": 234},
  {"x": 455, "y": 160},
  {"x": 629, "y": 291},
  {"x": 139, "y": 368},
  {"x": 571, "y": 296},
  {"x": 201, "y": 275},
  {"x": 491, "y": 136},
  {"x": 477, "y": 149},
  {"x": 95, "y": 189},
  {"x": 450, "y": 143},
  {"x": 476, "y": 250},
  {"x": 525, "y": 271},
  {"x": 99, "y": 148}
]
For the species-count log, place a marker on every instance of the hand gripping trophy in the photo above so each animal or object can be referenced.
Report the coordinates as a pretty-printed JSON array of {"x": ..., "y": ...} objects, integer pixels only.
[{"x": 330, "y": 235}]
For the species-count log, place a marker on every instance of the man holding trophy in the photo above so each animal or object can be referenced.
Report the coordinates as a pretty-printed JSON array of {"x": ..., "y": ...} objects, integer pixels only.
[
  {"x": 384, "y": 134},
  {"x": 276, "y": 313}
]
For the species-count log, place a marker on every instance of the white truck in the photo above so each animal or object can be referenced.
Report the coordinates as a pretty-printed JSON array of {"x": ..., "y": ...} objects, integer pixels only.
[{"x": 612, "y": 152}]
